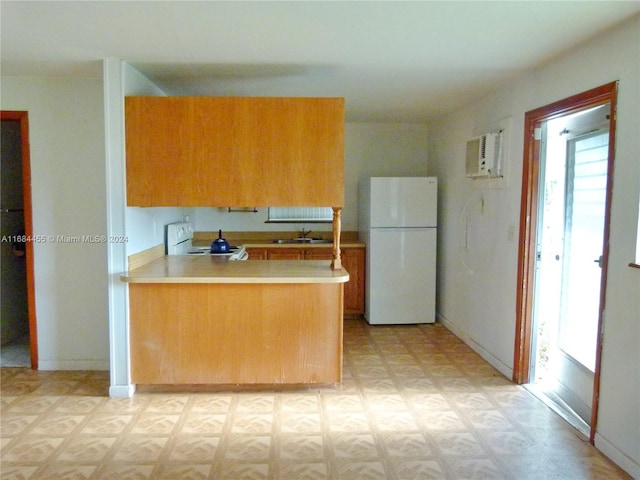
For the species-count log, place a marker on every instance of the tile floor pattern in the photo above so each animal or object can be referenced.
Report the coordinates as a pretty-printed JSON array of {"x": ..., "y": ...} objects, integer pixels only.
[
  {"x": 16, "y": 353},
  {"x": 416, "y": 403}
]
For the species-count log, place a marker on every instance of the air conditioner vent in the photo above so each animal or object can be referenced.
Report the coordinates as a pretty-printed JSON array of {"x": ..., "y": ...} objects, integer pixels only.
[{"x": 484, "y": 156}]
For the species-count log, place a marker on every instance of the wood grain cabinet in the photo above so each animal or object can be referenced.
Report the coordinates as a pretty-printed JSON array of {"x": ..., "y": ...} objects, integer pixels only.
[
  {"x": 353, "y": 260},
  {"x": 234, "y": 151},
  {"x": 256, "y": 253},
  {"x": 285, "y": 254}
]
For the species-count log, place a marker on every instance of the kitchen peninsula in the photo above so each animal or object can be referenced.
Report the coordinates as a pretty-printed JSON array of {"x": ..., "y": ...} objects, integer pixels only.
[{"x": 207, "y": 320}]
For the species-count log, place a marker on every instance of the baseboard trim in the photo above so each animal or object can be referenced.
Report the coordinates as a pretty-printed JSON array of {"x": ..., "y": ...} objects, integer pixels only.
[
  {"x": 494, "y": 361},
  {"x": 122, "y": 391},
  {"x": 625, "y": 462},
  {"x": 47, "y": 365}
]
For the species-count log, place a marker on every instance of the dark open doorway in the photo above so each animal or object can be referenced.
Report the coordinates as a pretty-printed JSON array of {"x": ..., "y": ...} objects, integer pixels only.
[{"x": 18, "y": 295}]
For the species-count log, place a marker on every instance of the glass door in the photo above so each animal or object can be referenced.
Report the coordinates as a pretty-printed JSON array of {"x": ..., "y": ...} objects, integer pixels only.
[
  {"x": 586, "y": 196},
  {"x": 570, "y": 233}
]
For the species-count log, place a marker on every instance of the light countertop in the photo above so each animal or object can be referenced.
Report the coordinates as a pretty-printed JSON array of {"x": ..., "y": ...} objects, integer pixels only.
[
  {"x": 268, "y": 244},
  {"x": 211, "y": 269},
  {"x": 265, "y": 239}
]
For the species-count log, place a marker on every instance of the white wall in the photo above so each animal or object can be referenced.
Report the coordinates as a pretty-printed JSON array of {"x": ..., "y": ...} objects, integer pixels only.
[
  {"x": 380, "y": 150},
  {"x": 142, "y": 227},
  {"x": 478, "y": 247},
  {"x": 371, "y": 149},
  {"x": 66, "y": 127}
]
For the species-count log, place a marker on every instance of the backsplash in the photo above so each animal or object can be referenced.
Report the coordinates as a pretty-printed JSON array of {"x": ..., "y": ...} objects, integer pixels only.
[{"x": 213, "y": 219}]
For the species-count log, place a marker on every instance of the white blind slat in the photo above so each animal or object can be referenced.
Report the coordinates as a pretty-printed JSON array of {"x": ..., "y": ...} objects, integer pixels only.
[{"x": 300, "y": 214}]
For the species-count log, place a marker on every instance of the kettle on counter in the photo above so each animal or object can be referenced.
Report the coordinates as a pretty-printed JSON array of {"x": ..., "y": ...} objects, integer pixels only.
[{"x": 220, "y": 245}]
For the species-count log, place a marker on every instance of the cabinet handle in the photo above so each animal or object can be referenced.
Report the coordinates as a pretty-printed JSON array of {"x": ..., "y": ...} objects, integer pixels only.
[{"x": 242, "y": 209}]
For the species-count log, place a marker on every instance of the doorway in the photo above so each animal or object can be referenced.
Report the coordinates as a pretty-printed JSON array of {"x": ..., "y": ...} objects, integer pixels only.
[
  {"x": 18, "y": 321},
  {"x": 563, "y": 251}
]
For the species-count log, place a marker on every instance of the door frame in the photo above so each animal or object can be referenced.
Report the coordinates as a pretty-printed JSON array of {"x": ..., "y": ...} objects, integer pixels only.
[
  {"x": 23, "y": 118},
  {"x": 528, "y": 220}
]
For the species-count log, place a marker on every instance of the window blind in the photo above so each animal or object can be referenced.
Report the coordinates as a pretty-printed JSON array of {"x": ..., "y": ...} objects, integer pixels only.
[{"x": 300, "y": 214}]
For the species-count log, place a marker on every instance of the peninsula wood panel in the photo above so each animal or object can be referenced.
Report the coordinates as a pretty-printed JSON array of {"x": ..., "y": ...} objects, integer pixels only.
[
  {"x": 234, "y": 151},
  {"x": 236, "y": 333}
]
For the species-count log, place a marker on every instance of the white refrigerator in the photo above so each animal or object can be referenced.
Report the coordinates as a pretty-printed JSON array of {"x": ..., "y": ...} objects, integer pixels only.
[{"x": 398, "y": 223}]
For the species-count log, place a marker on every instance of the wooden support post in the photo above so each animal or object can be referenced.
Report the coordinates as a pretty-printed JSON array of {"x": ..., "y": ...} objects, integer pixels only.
[{"x": 336, "y": 263}]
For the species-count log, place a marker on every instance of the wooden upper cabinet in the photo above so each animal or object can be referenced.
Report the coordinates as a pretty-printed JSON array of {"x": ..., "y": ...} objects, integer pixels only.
[{"x": 234, "y": 151}]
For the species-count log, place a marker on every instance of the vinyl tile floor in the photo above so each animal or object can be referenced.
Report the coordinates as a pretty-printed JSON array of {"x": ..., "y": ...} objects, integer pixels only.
[
  {"x": 415, "y": 403},
  {"x": 16, "y": 353}
]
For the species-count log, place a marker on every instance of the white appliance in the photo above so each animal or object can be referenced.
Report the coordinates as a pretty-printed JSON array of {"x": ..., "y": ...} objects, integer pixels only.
[
  {"x": 179, "y": 239},
  {"x": 398, "y": 223},
  {"x": 484, "y": 154}
]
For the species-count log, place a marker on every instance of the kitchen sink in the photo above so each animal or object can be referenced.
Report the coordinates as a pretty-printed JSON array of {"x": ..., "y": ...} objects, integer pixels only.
[{"x": 301, "y": 240}]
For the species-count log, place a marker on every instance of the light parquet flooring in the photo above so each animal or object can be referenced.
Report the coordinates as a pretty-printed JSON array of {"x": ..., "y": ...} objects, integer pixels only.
[{"x": 416, "y": 403}]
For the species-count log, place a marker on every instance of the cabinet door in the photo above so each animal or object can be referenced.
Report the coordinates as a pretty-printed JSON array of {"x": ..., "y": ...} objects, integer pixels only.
[
  {"x": 257, "y": 253},
  {"x": 318, "y": 254},
  {"x": 232, "y": 151},
  {"x": 285, "y": 254},
  {"x": 353, "y": 260}
]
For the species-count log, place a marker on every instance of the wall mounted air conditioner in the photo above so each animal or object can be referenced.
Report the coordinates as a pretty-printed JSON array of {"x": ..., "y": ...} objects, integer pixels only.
[{"x": 484, "y": 156}]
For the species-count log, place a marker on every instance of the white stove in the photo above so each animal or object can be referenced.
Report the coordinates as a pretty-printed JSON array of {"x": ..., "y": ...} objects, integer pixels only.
[{"x": 179, "y": 242}]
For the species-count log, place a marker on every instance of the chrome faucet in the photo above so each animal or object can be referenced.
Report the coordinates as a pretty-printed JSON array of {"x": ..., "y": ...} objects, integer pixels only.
[{"x": 304, "y": 234}]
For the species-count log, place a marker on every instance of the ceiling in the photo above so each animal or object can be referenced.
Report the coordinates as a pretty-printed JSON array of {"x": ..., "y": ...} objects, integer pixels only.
[{"x": 392, "y": 61}]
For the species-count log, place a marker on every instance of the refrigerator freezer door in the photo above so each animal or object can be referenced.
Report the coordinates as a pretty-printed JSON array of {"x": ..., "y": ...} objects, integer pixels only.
[
  {"x": 403, "y": 202},
  {"x": 401, "y": 275}
]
